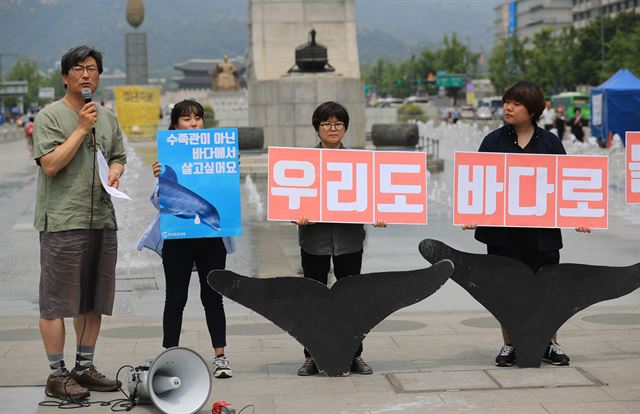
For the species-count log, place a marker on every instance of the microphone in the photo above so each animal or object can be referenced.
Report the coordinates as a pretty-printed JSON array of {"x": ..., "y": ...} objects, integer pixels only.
[{"x": 87, "y": 96}]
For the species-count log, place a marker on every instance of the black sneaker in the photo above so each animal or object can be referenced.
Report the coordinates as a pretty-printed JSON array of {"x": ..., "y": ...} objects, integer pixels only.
[
  {"x": 358, "y": 366},
  {"x": 554, "y": 355},
  {"x": 506, "y": 357},
  {"x": 308, "y": 368}
]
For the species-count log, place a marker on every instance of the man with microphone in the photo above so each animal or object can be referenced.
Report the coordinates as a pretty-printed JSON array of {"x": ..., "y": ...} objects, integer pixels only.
[{"x": 77, "y": 222}]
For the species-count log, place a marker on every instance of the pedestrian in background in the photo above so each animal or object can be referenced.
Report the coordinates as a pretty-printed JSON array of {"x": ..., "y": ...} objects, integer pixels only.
[
  {"x": 576, "y": 123},
  {"x": 560, "y": 122},
  {"x": 547, "y": 116}
]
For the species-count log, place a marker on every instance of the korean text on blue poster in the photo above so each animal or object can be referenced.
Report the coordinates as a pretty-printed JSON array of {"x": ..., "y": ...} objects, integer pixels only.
[{"x": 199, "y": 183}]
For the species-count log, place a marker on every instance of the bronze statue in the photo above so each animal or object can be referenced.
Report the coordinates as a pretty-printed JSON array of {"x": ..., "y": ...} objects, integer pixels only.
[{"x": 226, "y": 76}]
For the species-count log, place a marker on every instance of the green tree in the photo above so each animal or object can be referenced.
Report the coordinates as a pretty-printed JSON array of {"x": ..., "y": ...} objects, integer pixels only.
[
  {"x": 547, "y": 62},
  {"x": 411, "y": 111},
  {"x": 26, "y": 69},
  {"x": 54, "y": 80},
  {"x": 210, "y": 120},
  {"x": 506, "y": 62},
  {"x": 623, "y": 47}
]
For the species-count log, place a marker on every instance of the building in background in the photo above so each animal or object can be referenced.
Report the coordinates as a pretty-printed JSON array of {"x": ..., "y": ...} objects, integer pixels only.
[
  {"x": 527, "y": 17},
  {"x": 198, "y": 73},
  {"x": 585, "y": 11}
]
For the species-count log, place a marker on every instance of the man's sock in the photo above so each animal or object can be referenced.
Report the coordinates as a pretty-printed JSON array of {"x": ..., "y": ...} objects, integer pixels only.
[
  {"x": 84, "y": 358},
  {"x": 56, "y": 363}
]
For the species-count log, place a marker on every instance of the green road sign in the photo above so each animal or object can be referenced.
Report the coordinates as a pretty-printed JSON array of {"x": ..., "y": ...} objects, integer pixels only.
[{"x": 450, "y": 80}]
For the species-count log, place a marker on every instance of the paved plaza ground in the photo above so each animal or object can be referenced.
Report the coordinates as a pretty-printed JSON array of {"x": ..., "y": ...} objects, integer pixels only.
[{"x": 435, "y": 356}]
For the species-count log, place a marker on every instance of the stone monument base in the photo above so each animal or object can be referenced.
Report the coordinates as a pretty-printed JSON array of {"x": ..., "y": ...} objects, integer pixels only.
[{"x": 283, "y": 107}]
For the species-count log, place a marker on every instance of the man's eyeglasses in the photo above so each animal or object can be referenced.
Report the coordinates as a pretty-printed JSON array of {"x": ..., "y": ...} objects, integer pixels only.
[
  {"x": 78, "y": 69},
  {"x": 339, "y": 126}
]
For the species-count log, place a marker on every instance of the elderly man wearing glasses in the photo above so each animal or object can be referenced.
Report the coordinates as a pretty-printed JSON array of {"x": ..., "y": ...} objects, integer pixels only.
[
  {"x": 77, "y": 223},
  {"x": 320, "y": 243}
]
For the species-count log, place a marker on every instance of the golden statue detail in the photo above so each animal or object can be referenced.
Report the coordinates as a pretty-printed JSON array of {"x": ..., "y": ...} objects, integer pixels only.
[
  {"x": 135, "y": 13},
  {"x": 226, "y": 77}
]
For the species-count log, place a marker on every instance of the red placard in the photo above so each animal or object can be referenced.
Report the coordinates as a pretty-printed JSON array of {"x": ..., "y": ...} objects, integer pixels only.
[
  {"x": 632, "y": 164},
  {"x": 347, "y": 186},
  {"x": 530, "y": 190}
]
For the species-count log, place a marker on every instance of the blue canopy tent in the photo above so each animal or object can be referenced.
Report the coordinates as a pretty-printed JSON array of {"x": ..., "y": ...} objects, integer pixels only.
[{"x": 615, "y": 106}]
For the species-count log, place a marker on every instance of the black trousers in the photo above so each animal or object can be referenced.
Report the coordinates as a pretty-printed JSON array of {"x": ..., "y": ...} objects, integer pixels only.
[
  {"x": 317, "y": 267},
  {"x": 533, "y": 258},
  {"x": 178, "y": 257}
]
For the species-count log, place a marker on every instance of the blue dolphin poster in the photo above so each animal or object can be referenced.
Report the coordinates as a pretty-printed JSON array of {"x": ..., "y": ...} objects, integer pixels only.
[{"x": 199, "y": 183}]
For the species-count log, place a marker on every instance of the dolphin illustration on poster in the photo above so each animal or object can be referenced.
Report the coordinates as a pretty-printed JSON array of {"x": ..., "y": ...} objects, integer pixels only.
[{"x": 181, "y": 202}]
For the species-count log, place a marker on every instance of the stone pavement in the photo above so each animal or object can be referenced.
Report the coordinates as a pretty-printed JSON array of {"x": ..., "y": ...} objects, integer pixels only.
[{"x": 435, "y": 356}]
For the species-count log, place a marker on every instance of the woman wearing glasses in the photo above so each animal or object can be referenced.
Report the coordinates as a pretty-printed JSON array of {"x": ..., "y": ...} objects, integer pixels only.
[{"x": 321, "y": 243}]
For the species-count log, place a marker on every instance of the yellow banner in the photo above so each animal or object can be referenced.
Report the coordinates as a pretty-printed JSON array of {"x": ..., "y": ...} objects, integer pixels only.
[
  {"x": 138, "y": 110},
  {"x": 471, "y": 98}
]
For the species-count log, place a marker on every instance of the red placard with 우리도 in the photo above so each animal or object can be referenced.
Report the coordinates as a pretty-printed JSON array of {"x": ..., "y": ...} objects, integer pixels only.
[{"x": 347, "y": 186}]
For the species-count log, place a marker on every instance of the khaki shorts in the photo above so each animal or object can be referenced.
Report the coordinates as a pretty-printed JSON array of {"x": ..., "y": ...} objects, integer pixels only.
[{"x": 77, "y": 272}]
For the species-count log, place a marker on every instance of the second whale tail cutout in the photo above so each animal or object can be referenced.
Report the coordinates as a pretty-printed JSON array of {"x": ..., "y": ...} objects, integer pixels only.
[
  {"x": 532, "y": 306},
  {"x": 331, "y": 323}
]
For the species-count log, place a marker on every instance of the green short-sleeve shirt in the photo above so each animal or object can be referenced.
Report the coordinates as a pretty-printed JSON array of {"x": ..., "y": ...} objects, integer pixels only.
[{"x": 64, "y": 201}]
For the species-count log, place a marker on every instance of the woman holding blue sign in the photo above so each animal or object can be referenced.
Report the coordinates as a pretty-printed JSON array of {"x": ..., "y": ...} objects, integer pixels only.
[
  {"x": 523, "y": 104},
  {"x": 180, "y": 257}
]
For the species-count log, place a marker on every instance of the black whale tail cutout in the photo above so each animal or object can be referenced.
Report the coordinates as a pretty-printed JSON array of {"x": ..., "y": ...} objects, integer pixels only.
[
  {"x": 532, "y": 306},
  {"x": 331, "y": 323}
]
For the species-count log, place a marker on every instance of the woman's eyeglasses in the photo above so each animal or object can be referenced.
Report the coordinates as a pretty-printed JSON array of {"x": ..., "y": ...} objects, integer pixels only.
[{"x": 339, "y": 126}]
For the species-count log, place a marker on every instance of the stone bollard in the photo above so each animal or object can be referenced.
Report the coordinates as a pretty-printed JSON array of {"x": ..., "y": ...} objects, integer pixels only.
[
  {"x": 250, "y": 138},
  {"x": 395, "y": 135}
]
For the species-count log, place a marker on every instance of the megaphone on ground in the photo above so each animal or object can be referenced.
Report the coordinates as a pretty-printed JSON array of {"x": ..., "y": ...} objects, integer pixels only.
[{"x": 177, "y": 382}]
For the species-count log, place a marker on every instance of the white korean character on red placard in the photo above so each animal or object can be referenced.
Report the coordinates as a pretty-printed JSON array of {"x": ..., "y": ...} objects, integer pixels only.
[
  {"x": 632, "y": 175},
  {"x": 294, "y": 188},
  {"x": 294, "y": 184},
  {"x": 347, "y": 188},
  {"x": 531, "y": 186},
  {"x": 589, "y": 179},
  {"x": 542, "y": 190},
  {"x": 479, "y": 188},
  {"x": 634, "y": 168},
  {"x": 348, "y": 182},
  {"x": 401, "y": 187},
  {"x": 582, "y": 191},
  {"x": 400, "y": 191}
]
